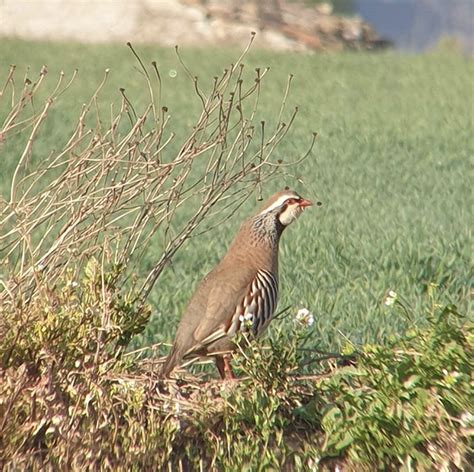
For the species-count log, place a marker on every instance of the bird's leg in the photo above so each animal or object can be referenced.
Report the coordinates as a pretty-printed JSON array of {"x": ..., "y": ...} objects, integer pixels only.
[
  {"x": 224, "y": 367},
  {"x": 229, "y": 375},
  {"x": 220, "y": 366}
]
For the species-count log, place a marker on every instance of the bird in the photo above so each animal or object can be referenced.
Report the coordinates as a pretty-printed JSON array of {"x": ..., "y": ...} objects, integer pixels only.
[{"x": 240, "y": 294}]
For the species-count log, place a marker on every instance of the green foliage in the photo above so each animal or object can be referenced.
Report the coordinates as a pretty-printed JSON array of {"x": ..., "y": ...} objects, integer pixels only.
[
  {"x": 401, "y": 403},
  {"x": 55, "y": 362},
  {"x": 69, "y": 397},
  {"x": 396, "y": 405},
  {"x": 81, "y": 318}
]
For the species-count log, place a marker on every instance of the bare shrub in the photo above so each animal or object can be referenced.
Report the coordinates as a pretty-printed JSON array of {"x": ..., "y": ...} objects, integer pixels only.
[{"x": 113, "y": 187}]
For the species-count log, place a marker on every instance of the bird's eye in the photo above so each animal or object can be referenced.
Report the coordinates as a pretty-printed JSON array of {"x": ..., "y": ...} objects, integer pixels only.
[{"x": 291, "y": 201}]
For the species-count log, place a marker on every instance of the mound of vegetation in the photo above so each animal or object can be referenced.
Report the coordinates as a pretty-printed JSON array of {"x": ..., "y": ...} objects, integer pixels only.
[{"x": 70, "y": 400}]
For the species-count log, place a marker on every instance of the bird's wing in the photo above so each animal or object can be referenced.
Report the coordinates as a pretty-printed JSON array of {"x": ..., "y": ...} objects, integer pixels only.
[
  {"x": 255, "y": 294},
  {"x": 223, "y": 301}
]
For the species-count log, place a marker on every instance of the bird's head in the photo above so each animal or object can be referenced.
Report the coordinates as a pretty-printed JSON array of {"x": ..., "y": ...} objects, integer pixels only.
[{"x": 286, "y": 206}]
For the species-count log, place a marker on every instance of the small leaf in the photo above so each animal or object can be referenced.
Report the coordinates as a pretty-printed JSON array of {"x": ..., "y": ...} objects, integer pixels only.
[
  {"x": 90, "y": 270},
  {"x": 346, "y": 440}
]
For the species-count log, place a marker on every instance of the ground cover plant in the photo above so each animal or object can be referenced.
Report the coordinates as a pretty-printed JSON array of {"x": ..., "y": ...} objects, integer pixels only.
[{"x": 384, "y": 268}]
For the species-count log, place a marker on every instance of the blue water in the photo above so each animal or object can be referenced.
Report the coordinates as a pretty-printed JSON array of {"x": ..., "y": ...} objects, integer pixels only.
[{"x": 417, "y": 25}]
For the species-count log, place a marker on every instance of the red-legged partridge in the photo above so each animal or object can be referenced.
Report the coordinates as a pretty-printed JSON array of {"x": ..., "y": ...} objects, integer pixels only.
[{"x": 241, "y": 290}]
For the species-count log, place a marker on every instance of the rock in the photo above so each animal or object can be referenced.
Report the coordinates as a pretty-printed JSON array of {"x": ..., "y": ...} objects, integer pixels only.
[{"x": 281, "y": 26}]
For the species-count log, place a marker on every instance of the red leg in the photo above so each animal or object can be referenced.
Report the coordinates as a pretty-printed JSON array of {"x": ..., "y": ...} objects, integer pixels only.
[
  {"x": 224, "y": 367},
  {"x": 228, "y": 369},
  {"x": 220, "y": 366}
]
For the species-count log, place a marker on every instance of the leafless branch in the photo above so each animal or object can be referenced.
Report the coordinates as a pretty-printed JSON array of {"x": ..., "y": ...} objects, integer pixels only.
[{"x": 119, "y": 186}]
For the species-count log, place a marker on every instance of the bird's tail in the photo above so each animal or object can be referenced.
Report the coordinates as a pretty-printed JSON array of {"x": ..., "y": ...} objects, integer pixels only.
[{"x": 170, "y": 362}]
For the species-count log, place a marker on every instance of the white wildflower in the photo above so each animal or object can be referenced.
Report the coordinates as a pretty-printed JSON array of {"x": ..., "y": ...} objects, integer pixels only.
[
  {"x": 246, "y": 319},
  {"x": 305, "y": 317},
  {"x": 302, "y": 313},
  {"x": 390, "y": 298}
]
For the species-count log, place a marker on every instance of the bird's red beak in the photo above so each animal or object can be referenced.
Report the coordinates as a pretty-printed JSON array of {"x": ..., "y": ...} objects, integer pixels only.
[{"x": 303, "y": 203}]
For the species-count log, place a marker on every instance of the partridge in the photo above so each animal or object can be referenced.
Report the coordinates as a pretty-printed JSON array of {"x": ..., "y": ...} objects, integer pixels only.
[{"x": 241, "y": 292}]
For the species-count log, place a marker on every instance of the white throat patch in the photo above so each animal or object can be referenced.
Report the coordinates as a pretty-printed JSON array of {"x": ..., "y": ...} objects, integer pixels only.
[{"x": 290, "y": 214}]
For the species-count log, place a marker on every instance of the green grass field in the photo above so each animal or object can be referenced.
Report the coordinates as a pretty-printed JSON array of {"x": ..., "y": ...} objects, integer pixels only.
[{"x": 391, "y": 166}]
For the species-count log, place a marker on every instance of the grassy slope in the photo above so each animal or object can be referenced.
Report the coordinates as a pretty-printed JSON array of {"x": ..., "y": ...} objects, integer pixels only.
[{"x": 391, "y": 168}]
